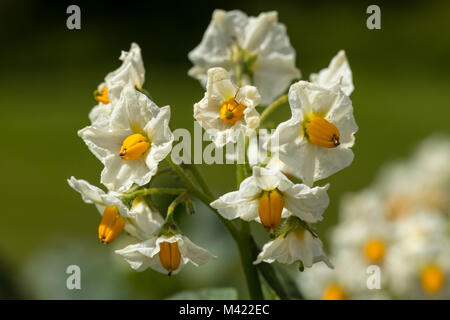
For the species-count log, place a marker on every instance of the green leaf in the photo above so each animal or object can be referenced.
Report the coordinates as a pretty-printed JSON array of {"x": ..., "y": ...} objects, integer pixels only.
[{"x": 206, "y": 294}]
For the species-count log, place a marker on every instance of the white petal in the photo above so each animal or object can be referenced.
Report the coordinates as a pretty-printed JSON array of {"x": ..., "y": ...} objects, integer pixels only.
[
  {"x": 193, "y": 253},
  {"x": 307, "y": 203},
  {"x": 338, "y": 72},
  {"x": 89, "y": 193}
]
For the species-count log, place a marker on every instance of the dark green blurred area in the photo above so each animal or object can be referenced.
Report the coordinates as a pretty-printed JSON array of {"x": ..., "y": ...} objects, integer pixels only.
[{"x": 48, "y": 74}]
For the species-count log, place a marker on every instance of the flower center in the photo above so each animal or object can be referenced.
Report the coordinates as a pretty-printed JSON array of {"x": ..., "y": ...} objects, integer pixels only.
[
  {"x": 374, "y": 250},
  {"x": 169, "y": 255},
  {"x": 334, "y": 292},
  {"x": 111, "y": 225},
  {"x": 134, "y": 147},
  {"x": 432, "y": 279},
  {"x": 270, "y": 207},
  {"x": 231, "y": 111},
  {"x": 102, "y": 96},
  {"x": 322, "y": 133}
]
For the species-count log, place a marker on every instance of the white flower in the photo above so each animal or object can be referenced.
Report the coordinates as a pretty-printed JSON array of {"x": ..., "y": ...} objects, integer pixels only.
[
  {"x": 297, "y": 245},
  {"x": 418, "y": 265},
  {"x": 346, "y": 281},
  {"x": 140, "y": 221},
  {"x": 131, "y": 72},
  {"x": 166, "y": 254},
  {"x": 227, "y": 110},
  {"x": 136, "y": 139},
  {"x": 337, "y": 73},
  {"x": 258, "y": 46},
  {"x": 316, "y": 142},
  {"x": 269, "y": 195}
]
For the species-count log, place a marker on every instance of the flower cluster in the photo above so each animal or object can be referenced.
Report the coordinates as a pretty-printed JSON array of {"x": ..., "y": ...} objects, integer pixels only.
[
  {"x": 244, "y": 63},
  {"x": 399, "y": 224}
]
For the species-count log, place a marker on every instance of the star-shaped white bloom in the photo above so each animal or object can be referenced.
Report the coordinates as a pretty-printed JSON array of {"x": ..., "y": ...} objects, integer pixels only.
[
  {"x": 164, "y": 254},
  {"x": 131, "y": 72},
  {"x": 297, "y": 245},
  {"x": 136, "y": 139},
  {"x": 268, "y": 195},
  {"x": 226, "y": 110},
  {"x": 140, "y": 220},
  {"x": 316, "y": 141},
  {"x": 256, "y": 47},
  {"x": 337, "y": 73}
]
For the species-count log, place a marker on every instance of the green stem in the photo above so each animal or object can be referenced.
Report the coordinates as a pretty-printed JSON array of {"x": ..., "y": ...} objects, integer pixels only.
[
  {"x": 248, "y": 255},
  {"x": 201, "y": 180},
  {"x": 181, "y": 198},
  {"x": 145, "y": 192},
  {"x": 271, "y": 108}
]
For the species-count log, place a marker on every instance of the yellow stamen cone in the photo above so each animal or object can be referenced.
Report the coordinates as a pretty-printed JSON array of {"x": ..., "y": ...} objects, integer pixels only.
[
  {"x": 270, "y": 207},
  {"x": 374, "y": 250},
  {"x": 134, "y": 147},
  {"x": 322, "y": 133},
  {"x": 169, "y": 255},
  {"x": 231, "y": 111},
  {"x": 432, "y": 279},
  {"x": 334, "y": 292},
  {"x": 102, "y": 96},
  {"x": 111, "y": 225}
]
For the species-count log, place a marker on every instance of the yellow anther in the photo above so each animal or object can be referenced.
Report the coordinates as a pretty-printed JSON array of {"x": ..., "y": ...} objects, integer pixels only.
[
  {"x": 231, "y": 111},
  {"x": 102, "y": 96},
  {"x": 270, "y": 207},
  {"x": 322, "y": 133},
  {"x": 111, "y": 225},
  {"x": 334, "y": 292},
  {"x": 169, "y": 255},
  {"x": 432, "y": 279},
  {"x": 374, "y": 250},
  {"x": 134, "y": 147}
]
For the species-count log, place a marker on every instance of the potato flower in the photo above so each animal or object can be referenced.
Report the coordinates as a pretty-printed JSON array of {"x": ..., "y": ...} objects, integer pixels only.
[
  {"x": 268, "y": 196},
  {"x": 316, "y": 141},
  {"x": 254, "y": 49},
  {"x": 136, "y": 139},
  {"x": 227, "y": 110}
]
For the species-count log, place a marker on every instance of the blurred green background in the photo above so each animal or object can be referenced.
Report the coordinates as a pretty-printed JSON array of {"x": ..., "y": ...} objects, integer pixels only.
[{"x": 48, "y": 74}]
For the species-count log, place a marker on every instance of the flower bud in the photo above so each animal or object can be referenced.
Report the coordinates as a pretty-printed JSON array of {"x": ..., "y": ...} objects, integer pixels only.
[
  {"x": 169, "y": 255},
  {"x": 270, "y": 207},
  {"x": 102, "y": 96},
  {"x": 231, "y": 112},
  {"x": 322, "y": 133},
  {"x": 134, "y": 147},
  {"x": 111, "y": 225}
]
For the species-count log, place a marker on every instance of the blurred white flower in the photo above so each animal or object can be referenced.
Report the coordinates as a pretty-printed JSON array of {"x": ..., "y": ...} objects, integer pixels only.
[
  {"x": 165, "y": 254},
  {"x": 131, "y": 72},
  {"x": 418, "y": 265},
  {"x": 337, "y": 73},
  {"x": 139, "y": 221},
  {"x": 136, "y": 139},
  {"x": 296, "y": 245},
  {"x": 227, "y": 110},
  {"x": 268, "y": 195},
  {"x": 316, "y": 142},
  {"x": 255, "y": 49}
]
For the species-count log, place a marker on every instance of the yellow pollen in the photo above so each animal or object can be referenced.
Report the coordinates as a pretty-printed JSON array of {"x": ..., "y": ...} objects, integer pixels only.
[
  {"x": 102, "y": 96},
  {"x": 322, "y": 133},
  {"x": 270, "y": 207},
  {"x": 432, "y": 279},
  {"x": 374, "y": 250},
  {"x": 111, "y": 225},
  {"x": 169, "y": 255},
  {"x": 334, "y": 292},
  {"x": 231, "y": 111},
  {"x": 134, "y": 147}
]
